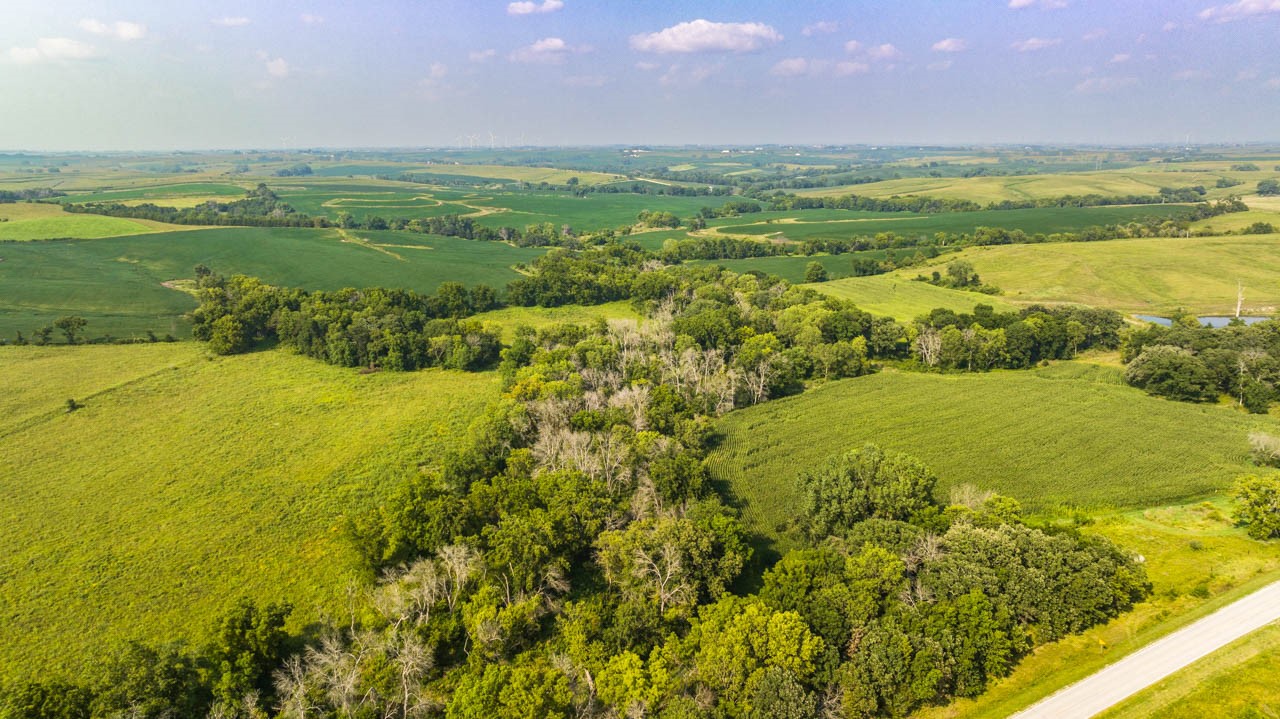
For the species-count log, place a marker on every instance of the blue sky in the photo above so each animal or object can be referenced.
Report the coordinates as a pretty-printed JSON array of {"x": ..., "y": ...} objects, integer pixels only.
[{"x": 139, "y": 74}]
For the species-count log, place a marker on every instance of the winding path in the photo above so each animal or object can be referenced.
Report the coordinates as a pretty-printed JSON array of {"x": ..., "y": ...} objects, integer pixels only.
[{"x": 1159, "y": 659}]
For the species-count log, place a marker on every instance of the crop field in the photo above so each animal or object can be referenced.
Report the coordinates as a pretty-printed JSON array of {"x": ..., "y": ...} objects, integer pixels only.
[
  {"x": 1152, "y": 276},
  {"x": 1142, "y": 180},
  {"x": 903, "y": 299},
  {"x": 187, "y": 482},
  {"x": 116, "y": 283},
  {"x": 160, "y": 194},
  {"x": 592, "y": 212},
  {"x": 24, "y": 221},
  {"x": 1067, "y": 435},
  {"x": 792, "y": 268},
  {"x": 799, "y": 226}
]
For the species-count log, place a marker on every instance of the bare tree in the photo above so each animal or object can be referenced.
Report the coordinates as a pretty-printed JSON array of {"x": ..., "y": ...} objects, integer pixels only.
[{"x": 929, "y": 346}]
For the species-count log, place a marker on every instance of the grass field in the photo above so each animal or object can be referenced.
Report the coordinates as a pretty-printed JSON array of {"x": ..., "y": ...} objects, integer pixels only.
[
  {"x": 538, "y": 317},
  {"x": 803, "y": 226},
  {"x": 38, "y": 221},
  {"x": 116, "y": 283},
  {"x": 1151, "y": 276},
  {"x": 1067, "y": 435},
  {"x": 904, "y": 299},
  {"x": 187, "y": 482}
]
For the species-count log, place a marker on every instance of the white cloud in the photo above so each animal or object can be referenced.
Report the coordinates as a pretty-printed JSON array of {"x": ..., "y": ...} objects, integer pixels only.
[
  {"x": 278, "y": 68},
  {"x": 309, "y": 19},
  {"x": 951, "y": 44},
  {"x": 230, "y": 21},
  {"x": 844, "y": 69},
  {"x": 883, "y": 52},
  {"x": 587, "y": 80},
  {"x": 481, "y": 55},
  {"x": 1169, "y": 26},
  {"x": 548, "y": 50},
  {"x": 706, "y": 36},
  {"x": 790, "y": 67},
  {"x": 647, "y": 66},
  {"x": 939, "y": 66},
  {"x": 1095, "y": 85},
  {"x": 678, "y": 75},
  {"x": 822, "y": 27},
  {"x": 120, "y": 29},
  {"x": 52, "y": 49},
  {"x": 1032, "y": 44},
  {"x": 1192, "y": 75},
  {"x": 1042, "y": 4},
  {"x": 437, "y": 71},
  {"x": 1239, "y": 10},
  {"x": 852, "y": 46},
  {"x": 1249, "y": 73},
  {"x": 1092, "y": 35},
  {"x": 529, "y": 8},
  {"x": 1120, "y": 57},
  {"x": 1272, "y": 84}
]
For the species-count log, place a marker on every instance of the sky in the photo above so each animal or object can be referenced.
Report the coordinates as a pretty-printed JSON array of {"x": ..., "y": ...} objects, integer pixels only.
[{"x": 222, "y": 74}]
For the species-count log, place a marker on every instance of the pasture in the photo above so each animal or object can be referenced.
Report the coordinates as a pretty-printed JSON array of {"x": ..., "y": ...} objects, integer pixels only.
[
  {"x": 186, "y": 482},
  {"x": 116, "y": 283},
  {"x": 539, "y": 317},
  {"x": 26, "y": 221},
  {"x": 1152, "y": 276},
  {"x": 1067, "y": 435},
  {"x": 904, "y": 299}
]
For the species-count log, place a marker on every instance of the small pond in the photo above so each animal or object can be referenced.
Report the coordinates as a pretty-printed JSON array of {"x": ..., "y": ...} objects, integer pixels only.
[{"x": 1207, "y": 320}]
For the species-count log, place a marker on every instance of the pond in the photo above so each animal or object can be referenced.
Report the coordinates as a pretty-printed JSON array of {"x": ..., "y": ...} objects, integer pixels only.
[{"x": 1207, "y": 320}]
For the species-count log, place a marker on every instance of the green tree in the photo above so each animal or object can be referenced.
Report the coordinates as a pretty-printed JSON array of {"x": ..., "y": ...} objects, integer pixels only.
[
  {"x": 250, "y": 645},
  {"x": 815, "y": 272},
  {"x": 70, "y": 326},
  {"x": 228, "y": 336},
  {"x": 863, "y": 484},
  {"x": 45, "y": 700},
  {"x": 1268, "y": 188},
  {"x": 1258, "y": 505}
]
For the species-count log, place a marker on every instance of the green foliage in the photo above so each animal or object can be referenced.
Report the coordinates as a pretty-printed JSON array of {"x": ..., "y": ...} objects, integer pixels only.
[
  {"x": 45, "y": 700},
  {"x": 249, "y": 646},
  {"x": 152, "y": 683},
  {"x": 1258, "y": 505},
  {"x": 868, "y": 483},
  {"x": 1171, "y": 372},
  {"x": 1268, "y": 188},
  {"x": 815, "y": 272}
]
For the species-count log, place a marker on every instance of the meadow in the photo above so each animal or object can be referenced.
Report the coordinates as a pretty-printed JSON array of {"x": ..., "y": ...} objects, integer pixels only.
[
  {"x": 1153, "y": 276},
  {"x": 116, "y": 283},
  {"x": 26, "y": 221},
  {"x": 904, "y": 299},
  {"x": 799, "y": 226},
  {"x": 186, "y": 482},
  {"x": 540, "y": 317},
  {"x": 1069, "y": 435}
]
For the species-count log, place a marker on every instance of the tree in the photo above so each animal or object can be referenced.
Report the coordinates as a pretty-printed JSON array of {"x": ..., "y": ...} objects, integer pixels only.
[
  {"x": 42, "y": 335},
  {"x": 45, "y": 700},
  {"x": 1258, "y": 505},
  {"x": 70, "y": 326},
  {"x": 815, "y": 272},
  {"x": 1171, "y": 372},
  {"x": 863, "y": 484},
  {"x": 250, "y": 644},
  {"x": 1268, "y": 187}
]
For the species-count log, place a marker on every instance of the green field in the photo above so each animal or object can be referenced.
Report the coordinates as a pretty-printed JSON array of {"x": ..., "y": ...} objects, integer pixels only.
[
  {"x": 186, "y": 482},
  {"x": 1152, "y": 276},
  {"x": 116, "y": 283},
  {"x": 1066, "y": 435},
  {"x": 36, "y": 221},
  {"x": 904, "y": 299},
  {"x": 538, "y": 317},
  {"x": 801, "y": 226},
  {"x": 591, "y": 212}
]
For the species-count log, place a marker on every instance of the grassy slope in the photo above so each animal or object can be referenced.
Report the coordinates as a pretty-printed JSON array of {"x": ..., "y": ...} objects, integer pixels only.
[
  {"x": 904, "y": 299},
  {"x": 539, "y": 317},
  {"x": 116, "y": 283},
  {"x": 1150, "y": 275},
  {"x": 1070, "y": 434},
  {"x": 38, "y": 221},
  {"x": 232, "y": 482}
]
